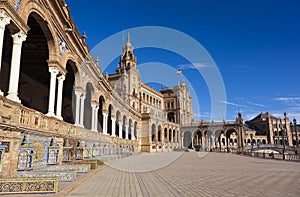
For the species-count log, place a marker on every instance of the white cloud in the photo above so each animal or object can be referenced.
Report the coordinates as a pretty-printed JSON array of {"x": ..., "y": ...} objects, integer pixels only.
[
  {"x": 288, "y": 99},
  {"x": 197, "y": 65},
  {"x": 256, "y": 104},
  {"x": 234, "y": 104}
]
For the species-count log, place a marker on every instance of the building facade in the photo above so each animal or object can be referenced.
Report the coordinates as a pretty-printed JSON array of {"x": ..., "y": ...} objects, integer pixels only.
[{"x": 56, "y": 105}]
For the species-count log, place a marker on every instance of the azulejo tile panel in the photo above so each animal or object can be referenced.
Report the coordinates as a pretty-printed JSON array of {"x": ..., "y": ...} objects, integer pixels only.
[
  {"x": 68, "y": 176},
  {"x": 79, "y": 168},
  {"x": 32, "y": 185}
]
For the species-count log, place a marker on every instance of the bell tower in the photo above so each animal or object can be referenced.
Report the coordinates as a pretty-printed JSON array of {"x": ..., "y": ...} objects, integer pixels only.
[
  {"x": 130, "y": 76},
  {"x": 127, "y": 59}
]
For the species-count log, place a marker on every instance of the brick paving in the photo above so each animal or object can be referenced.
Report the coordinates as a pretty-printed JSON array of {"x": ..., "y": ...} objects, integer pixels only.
[{"x": 216, "y": 174}]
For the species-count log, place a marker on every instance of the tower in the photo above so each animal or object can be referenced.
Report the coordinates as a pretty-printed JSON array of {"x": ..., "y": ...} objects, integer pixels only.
[{"x": 130, "y": 77}]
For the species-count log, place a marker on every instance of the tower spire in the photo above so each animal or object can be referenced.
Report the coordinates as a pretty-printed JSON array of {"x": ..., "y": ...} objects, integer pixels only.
[{"x": 128, "y": 38}]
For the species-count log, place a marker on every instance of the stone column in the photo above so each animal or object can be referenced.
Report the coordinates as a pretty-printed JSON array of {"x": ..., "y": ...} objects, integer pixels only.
[
  {"x": 120, "y": 129},
  {"x": 126, "y": 132},
  {"x": 54, "y": 72},
  {"x": 59, "y": 96},
  {"x": 82, "y": 97},
  {"x": 113, "y": 127},
  {"x": 192, "y": 142},
  {"x": 137, "y": 135},
  {"x": 203, "y": 142},
  {"x": 105, "y": 116},
  {"x": 96, "y": 118},
  {"x": 4, "y": 20},
  {"x": 94, "y": 106},
  {"x": 18, "y": 39},
  {"x": 181, "y": 142},
  {"x": 77, "y": 115}
]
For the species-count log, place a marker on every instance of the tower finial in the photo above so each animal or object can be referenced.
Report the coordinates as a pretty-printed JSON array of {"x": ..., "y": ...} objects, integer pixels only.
[{"x": 128, "y": 38}]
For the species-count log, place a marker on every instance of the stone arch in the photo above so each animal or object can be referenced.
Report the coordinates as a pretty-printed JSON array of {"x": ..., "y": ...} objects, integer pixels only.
[
  {"x": 86, "y": 81},
  {"x": 197, "y": 134},
  {"x": 153, "y": 133},
  {"x": 187, "y": 139},
  {"x": 170, "y": 135},
  {"x": 166, "y": 139},
  {"x": 31, "y": 7},
  {"x": 68, "y": 96},
  {"x": 34, "y": 69},
  {"x": 159, "y": 133},
  {"x": 130, "y": 129},
  {"x": 101, "y": 102},
  {"x": 118, "y": 119},
  {"x": 124, "y": 127},
  {"x": 230, "y": 142},
  {"x": 110, "y": 114},
  {"x": 87, "y": 120}
]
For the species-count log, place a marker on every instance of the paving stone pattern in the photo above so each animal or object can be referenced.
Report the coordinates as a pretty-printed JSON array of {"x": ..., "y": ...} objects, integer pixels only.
[{"x": 191, "y": 174}]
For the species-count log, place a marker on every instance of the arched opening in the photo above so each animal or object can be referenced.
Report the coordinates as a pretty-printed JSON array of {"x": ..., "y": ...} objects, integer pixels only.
[
  {"x": 187, "y": 139},
  {"x": 166, "y": 135},
  {"x": 159, "y": 134},
  {"x": 171, "y": 117},
  {"x": 87, "y": 120},
  {"x": 130, "y": 129},
  {"x": 174, "y": 138},
  {"x": 124, "y": 127},
  {"x": 153, "y": 132},
  {"x": 109, "y": 121},
  {"x": 100, "y": 114},
  {"x": 135, "y": 130},
  {"x": 170, "y": 135},
  {"x": 197, "y": 139},
  {"x": 264, "y": 141},
  {"x": 6, "y": 61},
  {"x": 231, "y": 134},
  {"x": 118, "y": 119},
  {"x": 69, "y": 104},
  {"x": 34, "y": 81}
]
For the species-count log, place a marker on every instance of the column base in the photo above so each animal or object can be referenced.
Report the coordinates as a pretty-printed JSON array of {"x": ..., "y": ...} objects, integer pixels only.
[
  {"x": 13, "y": 97},
  {"x": 50, "y": 114},
  {"x": 59, "y": 117}
]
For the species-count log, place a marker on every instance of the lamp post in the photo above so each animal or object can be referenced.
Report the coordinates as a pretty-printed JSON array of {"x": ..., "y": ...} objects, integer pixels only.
[{"x": 295, "y": 128}]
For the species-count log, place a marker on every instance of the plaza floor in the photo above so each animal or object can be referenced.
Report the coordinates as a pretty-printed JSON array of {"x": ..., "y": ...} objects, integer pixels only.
[{"x": 193, "y": 174}]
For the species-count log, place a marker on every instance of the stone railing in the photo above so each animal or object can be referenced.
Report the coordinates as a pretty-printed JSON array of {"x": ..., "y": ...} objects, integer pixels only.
[{"x": 33, "y": 120}]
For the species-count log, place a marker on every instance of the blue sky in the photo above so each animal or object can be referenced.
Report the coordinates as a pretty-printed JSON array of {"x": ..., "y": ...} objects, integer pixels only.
[{"x": 255, "y": 44}]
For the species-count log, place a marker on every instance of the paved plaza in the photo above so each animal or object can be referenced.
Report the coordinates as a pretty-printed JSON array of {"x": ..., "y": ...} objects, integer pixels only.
[{"x": 193, "y": 174}]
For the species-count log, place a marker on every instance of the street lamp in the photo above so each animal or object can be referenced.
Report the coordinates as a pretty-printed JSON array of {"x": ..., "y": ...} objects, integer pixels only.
[{"x": 295, "y": 128}]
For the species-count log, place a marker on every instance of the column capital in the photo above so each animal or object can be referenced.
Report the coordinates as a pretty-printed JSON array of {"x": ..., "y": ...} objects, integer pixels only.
[
  {"x": 54, "y": 71},
  {"x": 19, "y": 37},
  {"x": 94, "y": 104},
  {"x": 61, "y": 78},
  {"x": 4, "y": 19},
  {"x": 78, "y": 92}
]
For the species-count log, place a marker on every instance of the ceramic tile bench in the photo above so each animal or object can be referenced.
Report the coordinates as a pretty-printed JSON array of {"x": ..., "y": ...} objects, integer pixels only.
[
  {"x": 63, "y": 176},
  {"x": 79, "y": 168},
  {"x": 28, "y": 185}
]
